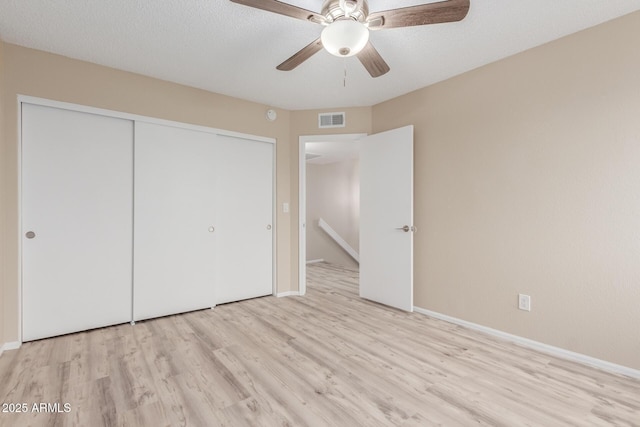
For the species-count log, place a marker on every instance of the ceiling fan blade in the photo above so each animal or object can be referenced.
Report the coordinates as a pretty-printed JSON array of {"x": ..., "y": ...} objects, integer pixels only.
[
  {"x": 283, "y": 9},
  {"x": 302, "y": 55},
  {"x": 372, "y": 61},
  {"x": 431, "y": 13}
]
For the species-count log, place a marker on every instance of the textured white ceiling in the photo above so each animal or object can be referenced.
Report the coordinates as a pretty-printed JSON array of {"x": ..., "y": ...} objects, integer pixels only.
[{"x": 231, "y": 49}]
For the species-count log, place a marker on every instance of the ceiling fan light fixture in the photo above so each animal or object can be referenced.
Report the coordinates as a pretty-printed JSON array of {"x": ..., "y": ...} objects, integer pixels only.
[{"x": 345, "y": 37}]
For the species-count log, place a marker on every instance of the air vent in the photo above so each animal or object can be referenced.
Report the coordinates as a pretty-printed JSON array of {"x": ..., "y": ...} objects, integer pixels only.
[{"x": 331, "y": 120}]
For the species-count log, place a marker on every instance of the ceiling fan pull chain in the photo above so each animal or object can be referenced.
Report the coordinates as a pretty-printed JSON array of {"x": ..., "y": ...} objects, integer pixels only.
[{"x": 344, "y": 82}]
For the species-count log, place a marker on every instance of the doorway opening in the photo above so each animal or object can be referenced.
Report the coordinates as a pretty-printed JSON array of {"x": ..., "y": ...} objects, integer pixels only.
[{"x": 329, "y": 202}]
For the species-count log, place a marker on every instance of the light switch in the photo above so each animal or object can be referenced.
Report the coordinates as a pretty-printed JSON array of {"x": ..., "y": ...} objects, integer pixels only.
[{"x": 285, "y": 207}]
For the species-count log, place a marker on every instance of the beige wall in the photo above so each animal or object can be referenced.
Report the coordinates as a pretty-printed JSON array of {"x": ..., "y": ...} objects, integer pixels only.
[
  {"x": 2, "y": 199},
  {"x": 35, "y": 73},
  {"x": 333, "y": 194},
  {"x": 528, "y": 180},
  {"x": 303, "y": 123}
]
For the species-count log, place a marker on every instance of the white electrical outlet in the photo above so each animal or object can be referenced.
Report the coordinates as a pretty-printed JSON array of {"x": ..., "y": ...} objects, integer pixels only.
[{"x": 524, "y": 302}]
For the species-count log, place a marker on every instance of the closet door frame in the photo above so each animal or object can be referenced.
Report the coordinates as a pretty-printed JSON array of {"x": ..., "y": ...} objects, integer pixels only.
[{"x": 25, "y": 99}]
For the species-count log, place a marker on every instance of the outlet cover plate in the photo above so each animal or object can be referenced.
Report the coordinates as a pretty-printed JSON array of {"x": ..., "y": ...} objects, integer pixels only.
[{"x": 524, "y": 302}]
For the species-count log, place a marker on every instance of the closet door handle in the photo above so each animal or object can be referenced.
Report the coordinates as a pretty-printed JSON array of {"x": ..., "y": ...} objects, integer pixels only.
[
  {"x": 268, "y": 226},
  {"x": 30, "y": 235}
]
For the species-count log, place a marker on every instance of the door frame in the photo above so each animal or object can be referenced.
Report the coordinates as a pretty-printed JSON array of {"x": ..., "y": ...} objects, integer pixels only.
[
  {"x": 26, "y": 99},
  {"x": 302, "y": 196}
]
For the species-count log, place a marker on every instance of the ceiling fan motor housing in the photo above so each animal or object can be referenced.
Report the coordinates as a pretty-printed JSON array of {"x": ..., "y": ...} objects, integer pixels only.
[{"x": 333, "y": 10}]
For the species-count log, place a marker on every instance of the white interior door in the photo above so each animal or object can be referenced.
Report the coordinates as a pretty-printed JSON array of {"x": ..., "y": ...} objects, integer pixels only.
[
  {"x": 245, "y": 219},
  {"x": 386, "y": 218},
  {"x": 175, "y": 220},
  {"x": 77, "y": 188}
]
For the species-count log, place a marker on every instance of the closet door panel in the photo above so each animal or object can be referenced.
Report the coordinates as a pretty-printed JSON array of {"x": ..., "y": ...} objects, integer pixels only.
[
  {"x": 175, "y": 229},
  {"x": 245, "y": 219},
  {"x": 77, "y": 184}
]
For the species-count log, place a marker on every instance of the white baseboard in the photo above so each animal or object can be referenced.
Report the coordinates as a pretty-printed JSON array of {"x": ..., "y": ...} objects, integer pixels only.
[
  {"x": 545, "y": 348},
  {"x": 315, "y": 261},
  {"x": 287, "y": 294},
  {"x": 14, "y": 345}
]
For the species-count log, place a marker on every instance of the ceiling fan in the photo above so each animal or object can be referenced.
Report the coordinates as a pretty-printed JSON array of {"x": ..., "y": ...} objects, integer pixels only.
[{"x": 348, "y": 22}]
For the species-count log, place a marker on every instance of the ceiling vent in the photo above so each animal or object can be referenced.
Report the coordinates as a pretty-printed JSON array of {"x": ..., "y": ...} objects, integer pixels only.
[{"x": 331, "y": 120}]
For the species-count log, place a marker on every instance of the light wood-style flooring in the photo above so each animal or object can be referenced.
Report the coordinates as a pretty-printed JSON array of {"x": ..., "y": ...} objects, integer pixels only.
[{"x": 326, "y": 359}]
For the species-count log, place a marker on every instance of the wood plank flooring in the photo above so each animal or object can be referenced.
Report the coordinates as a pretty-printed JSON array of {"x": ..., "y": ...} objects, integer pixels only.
[{"x": 326, "y": 359}]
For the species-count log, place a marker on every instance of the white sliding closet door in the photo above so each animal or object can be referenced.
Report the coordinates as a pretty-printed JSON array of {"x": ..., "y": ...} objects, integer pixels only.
[
  {"x": 76, "y": 221},
  {"x": 175, "y": 229},
  {"x": 245, "y": 219}
]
